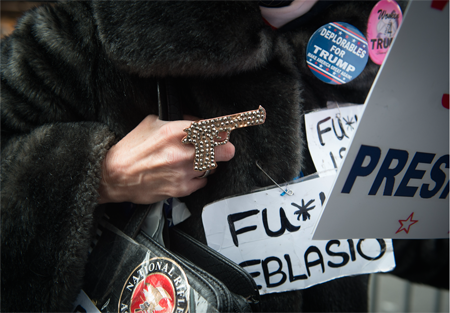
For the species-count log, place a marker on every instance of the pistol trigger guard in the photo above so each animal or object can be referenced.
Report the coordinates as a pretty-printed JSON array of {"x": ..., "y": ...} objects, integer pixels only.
[{"x": 202, "y": 134}]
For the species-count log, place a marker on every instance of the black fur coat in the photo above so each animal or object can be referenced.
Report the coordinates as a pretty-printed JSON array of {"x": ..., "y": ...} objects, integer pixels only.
[{"x": 77, "y": 77}]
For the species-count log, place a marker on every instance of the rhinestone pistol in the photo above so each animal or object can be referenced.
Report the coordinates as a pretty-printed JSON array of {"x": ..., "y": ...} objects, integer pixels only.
[{"x": 204, "y": 133}]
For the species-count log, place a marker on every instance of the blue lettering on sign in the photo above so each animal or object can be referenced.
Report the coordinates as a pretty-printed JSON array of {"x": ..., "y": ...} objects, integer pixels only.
[
  {"x": 388, "y": 172},
  {"x": 439, "y": 177},
  {"x": 403, "y": 189}
]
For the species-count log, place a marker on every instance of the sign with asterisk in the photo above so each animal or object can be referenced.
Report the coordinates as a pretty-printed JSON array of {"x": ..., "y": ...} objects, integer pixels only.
[
  {"x": 329, "y": 133},
  {"x": 269, "y": 234}
]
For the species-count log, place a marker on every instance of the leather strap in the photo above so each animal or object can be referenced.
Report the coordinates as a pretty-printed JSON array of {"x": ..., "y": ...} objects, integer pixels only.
[{"x": 232, "y": 275}]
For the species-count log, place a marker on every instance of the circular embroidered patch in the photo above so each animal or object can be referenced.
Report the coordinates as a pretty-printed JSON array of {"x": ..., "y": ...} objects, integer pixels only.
[
  {"x": 384, "y": 21},
  {"x": 337, "y": 53},
  {"x": 158, "y": 285}
]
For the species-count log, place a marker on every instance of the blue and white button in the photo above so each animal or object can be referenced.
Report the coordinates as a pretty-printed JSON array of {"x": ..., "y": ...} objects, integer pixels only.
[{"x": 337, "y": 53}]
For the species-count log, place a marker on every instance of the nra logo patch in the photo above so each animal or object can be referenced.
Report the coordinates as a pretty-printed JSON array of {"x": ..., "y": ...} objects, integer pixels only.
[{"x": 156, "y": 286}]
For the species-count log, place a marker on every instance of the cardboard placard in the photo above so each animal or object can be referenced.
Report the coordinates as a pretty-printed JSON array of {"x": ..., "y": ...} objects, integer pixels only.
[
  {"x": 329, "y": 133},
  {"x": 270, "y": 236}
]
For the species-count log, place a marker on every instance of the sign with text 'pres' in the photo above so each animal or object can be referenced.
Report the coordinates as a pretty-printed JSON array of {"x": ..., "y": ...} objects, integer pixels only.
[
  {"x": 394, "y": 181},
  {"x": 269, "y": 235}
]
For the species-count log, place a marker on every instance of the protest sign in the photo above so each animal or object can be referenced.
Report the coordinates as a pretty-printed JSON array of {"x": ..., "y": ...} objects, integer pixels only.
[
  {"x": 269, "y": 235},
  {"x": 329, "y": 133},
  {"x": 394, "y": 181}
]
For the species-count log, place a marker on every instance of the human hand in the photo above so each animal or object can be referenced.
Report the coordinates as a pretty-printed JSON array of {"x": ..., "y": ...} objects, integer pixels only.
[{"x": 151, "y": 164}]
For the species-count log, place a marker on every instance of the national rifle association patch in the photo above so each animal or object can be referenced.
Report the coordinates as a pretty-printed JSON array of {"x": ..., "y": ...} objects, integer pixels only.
[{"x": 158, "y": 285}]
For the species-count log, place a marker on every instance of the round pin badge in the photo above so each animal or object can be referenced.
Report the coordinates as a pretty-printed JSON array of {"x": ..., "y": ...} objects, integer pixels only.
[
  {"x": 159, "y": 285},
  {"x": 384, "y": 21},
  {"x": 337, "y": 53}
]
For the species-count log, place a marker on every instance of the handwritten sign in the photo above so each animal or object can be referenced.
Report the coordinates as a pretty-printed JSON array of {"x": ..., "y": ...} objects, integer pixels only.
[
  {"x": 269, "y": 235},
  {"x": 394, "y": 181},
  {"x": 329, "y": 133}
]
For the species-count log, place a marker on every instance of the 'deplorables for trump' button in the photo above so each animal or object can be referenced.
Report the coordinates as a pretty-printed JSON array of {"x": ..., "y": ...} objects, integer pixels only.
[{"x": 337, "y": 53}]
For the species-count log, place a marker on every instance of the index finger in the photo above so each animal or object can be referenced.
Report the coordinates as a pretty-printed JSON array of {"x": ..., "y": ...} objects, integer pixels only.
[{"x": 191, "y": 117}]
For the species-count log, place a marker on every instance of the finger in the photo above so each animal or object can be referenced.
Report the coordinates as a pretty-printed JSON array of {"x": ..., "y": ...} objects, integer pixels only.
[
  {"x": 194, "y": 174},
  {"x": 190, "y": 187},
  {"x": 224, "y": 152},
  {"x": 205, "y": 174},
  {"x": 198, "y": 184},
  {"x": 191, "y": 117},
  {"x": 173, "y": 132}
]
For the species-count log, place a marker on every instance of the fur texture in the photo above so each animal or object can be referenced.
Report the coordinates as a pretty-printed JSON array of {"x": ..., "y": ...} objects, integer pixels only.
[{"x": 77, "y": 77}]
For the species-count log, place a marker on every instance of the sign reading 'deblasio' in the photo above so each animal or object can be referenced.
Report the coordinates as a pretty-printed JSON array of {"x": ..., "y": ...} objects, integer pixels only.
[
  {"x": 394, "y": 181},
  {"x": 269, "y": 235}
]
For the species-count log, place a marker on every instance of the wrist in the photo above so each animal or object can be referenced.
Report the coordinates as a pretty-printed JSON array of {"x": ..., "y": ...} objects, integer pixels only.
[{"x": 106, "y": 191}]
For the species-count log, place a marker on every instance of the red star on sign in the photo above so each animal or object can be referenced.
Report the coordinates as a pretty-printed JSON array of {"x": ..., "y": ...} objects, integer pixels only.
[{"x": 406, "y": 224}]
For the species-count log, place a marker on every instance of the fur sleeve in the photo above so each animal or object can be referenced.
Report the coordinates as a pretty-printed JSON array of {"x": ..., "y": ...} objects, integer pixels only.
[
  {"x": 50, "y": 159},
  {"x": 48, "y": 198}
]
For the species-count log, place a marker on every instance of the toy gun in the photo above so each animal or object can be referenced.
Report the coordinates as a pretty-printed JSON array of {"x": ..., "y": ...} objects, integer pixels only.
[{"x": 203, "y": 134}]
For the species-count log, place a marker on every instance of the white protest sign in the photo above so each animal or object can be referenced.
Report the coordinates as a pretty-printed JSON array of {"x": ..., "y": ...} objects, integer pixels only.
[
  {"x": 329, "y": 133},
  {"x": 269, "y": 235},
  {"x": 394, "y": 181}
]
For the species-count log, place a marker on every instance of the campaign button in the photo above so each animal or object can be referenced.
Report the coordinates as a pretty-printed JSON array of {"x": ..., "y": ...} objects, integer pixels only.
[
  {"x": 337, "y": 53},
  {"x": 384, "y": 21}
]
